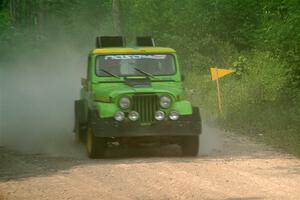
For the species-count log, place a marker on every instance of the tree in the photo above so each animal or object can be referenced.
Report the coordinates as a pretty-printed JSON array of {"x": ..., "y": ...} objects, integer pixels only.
[{"x": 116, "y": 16}]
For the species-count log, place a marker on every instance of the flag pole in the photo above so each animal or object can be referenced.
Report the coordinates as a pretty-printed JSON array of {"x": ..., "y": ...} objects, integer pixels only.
[{"x": 219, "y": 92}]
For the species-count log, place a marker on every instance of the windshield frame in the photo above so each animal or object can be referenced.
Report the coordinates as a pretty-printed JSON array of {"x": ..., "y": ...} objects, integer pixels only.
[{"x": 140, "y": 75}]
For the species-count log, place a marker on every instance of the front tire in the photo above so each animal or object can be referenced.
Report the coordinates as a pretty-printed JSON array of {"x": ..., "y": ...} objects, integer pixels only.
[
  {"x": 95, "y": 145},
  {"x": 190, "y": 145}
]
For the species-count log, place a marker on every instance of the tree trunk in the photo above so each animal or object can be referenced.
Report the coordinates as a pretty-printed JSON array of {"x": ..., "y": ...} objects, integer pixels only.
[
  {"x": 116, "y": 16},
  {"x": 12, "y": 8},
  {"x": 40, "y": 18}
]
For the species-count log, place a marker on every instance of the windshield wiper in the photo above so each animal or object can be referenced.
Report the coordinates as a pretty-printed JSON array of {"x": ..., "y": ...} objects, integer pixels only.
[
  {"x": 143, "y": 72},
  {"x": 109, "y": 73}
]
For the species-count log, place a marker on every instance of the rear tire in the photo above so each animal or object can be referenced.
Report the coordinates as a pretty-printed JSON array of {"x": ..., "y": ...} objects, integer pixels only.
[
  {"x": 190, "y": 145},
  {"x": 77, "y": 134},
  {"x": 95, "y": 145},
  {"x": 80, "y": 135}
]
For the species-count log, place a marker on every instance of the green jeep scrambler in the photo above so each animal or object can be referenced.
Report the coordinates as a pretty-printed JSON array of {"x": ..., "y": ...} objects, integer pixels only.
[{"x": 134, "y": 94}]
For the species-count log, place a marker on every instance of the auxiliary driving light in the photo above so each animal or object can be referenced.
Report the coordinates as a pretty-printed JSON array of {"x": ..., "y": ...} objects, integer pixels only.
[
  {"x": 133, "y": 116},
  {"x": 159, "y": 115},
  {"x": 119, "y": 116},
  {"x": 174, "y": 115}
]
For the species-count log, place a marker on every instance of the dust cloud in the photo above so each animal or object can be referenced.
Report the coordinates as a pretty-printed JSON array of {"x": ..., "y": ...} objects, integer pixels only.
[
  {"x": 211, "y": 141},
  {"x": 36, "y": 99}
]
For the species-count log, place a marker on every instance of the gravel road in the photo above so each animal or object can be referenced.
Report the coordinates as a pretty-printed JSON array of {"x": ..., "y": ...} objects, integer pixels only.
[{"x": 229, "y": 167}]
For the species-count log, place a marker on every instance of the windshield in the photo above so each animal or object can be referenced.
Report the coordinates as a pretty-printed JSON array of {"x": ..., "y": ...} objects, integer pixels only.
[{"x": 135, "y": 65}]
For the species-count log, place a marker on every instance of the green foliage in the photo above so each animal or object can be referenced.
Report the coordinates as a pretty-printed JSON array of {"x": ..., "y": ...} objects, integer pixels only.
[
  {"x": 5, "y": 25},
  {"x": 255, "y": 101}
]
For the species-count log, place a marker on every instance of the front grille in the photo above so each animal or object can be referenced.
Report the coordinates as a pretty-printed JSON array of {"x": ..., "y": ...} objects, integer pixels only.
[{"x": 145, "y": 105}]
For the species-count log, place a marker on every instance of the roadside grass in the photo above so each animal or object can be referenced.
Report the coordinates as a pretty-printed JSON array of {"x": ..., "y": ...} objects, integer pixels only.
[{"x": 286, "y": 141}]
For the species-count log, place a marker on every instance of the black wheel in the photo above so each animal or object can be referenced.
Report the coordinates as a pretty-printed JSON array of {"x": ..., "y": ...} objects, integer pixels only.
[
  {"x": 95, "y": 145},
  {"x": 190, "y": 145},
  {"x": 80, "y": 135}
]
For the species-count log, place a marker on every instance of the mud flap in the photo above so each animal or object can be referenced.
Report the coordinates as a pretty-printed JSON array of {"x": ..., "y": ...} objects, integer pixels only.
[{"x": 80, "y": 121}]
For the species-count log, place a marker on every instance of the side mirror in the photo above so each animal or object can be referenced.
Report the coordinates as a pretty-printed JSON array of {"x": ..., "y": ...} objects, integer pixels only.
[
  {"x": 84, "y": 82},
  {"x": 182, "y": 78}
]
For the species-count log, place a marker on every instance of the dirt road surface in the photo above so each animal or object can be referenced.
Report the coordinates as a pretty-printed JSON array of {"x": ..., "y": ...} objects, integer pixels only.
[{"x": 228, "y": 167}]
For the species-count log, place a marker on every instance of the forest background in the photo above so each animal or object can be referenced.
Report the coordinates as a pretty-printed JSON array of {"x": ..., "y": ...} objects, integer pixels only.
[{"x": 260, "y": 39}]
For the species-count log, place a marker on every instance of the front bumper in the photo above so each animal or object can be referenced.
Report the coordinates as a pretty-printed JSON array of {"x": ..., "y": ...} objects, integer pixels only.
[{"x": 187, "y": 125}]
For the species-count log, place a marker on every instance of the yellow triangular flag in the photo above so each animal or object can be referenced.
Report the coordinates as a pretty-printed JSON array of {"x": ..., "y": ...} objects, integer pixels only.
[{"x": 218, "y": 73}]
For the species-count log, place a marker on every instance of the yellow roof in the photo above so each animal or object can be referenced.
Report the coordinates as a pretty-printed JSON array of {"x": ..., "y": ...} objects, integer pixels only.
[{"x": 133, "y": 50}]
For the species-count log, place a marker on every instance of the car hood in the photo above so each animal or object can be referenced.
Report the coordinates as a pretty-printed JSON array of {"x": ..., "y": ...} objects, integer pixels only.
[{"x": 116, "y": 89}]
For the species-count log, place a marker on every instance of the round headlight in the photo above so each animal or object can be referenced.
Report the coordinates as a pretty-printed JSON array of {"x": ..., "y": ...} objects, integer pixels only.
[
  {"x": 124, "y": 102},
  {"x": 119, "y": 116},
  {"x": 165, "y": 101},
  {"x": 133, "y": 116},
  {"x": 159, "y": 115},
  {"x": 174, "y": 115}
]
